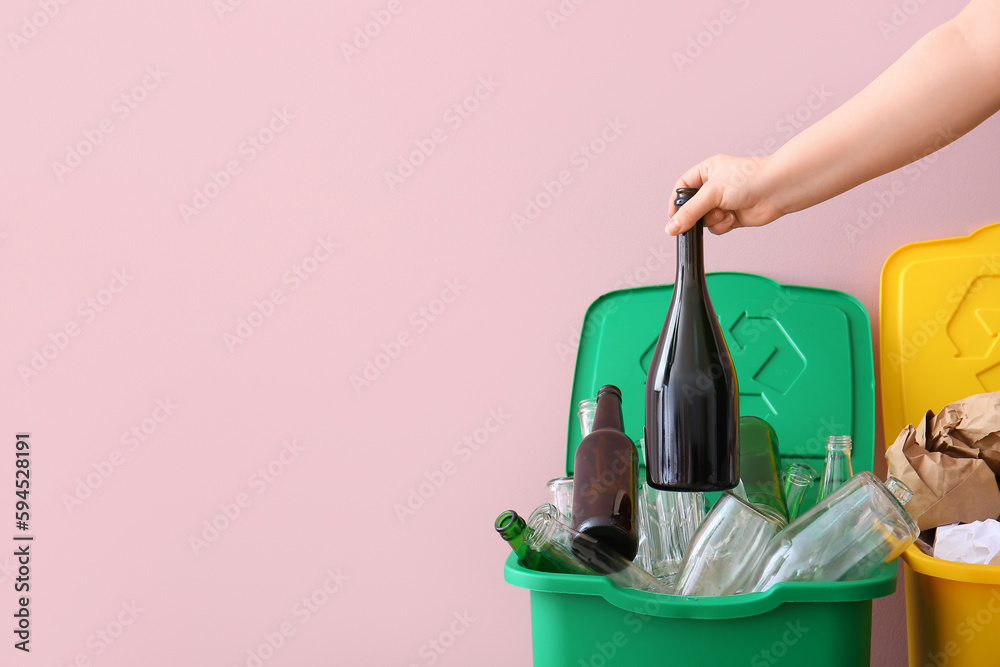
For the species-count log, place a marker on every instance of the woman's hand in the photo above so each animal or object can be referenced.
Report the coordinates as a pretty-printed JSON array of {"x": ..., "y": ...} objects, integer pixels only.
[
  {"x": 733, "y": 192},
  {"x": 942, "y": 87}
]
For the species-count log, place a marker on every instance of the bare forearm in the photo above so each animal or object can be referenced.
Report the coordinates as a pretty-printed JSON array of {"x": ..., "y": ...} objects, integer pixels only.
[{"x": 945, "y": 85}]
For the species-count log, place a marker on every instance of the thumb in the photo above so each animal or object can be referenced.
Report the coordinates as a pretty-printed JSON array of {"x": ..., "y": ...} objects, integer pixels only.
[{"x": 691, "y": 212}]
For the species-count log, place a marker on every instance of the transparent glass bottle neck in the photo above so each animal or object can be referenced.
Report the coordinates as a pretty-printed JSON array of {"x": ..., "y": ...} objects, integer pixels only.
[
  {"x": 799, "y": 474},
  {"x": 899, "y": 490},
  {"x": 586, "y": 410},
  {"x": 839, "y": 443},
  {"x": 542, "y": 526},
  {"x": 772, "y": 515}
]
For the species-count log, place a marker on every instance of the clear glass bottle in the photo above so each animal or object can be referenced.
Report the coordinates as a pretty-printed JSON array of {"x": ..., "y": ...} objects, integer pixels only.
[
  {"x": 605, "y": 484},
  {"x": 727, "y": 547},
  {"x": 799, "y": 479},
  {"x": 667, "y": 522},
  {"x": 559, "y": 493},
  {"x": 571, "y": 548},
  {"x": 845, "y": 537},
  {"x": 586, "y": 411},
  {"x": 837, "y": 469}
]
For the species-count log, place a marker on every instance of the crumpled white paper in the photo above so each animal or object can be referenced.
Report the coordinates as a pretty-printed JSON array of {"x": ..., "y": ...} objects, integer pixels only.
[{"x": 977, "y": 542}]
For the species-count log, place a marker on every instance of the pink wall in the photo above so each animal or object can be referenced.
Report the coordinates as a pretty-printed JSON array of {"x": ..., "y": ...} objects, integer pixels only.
[{"x": 277, "y": 140}]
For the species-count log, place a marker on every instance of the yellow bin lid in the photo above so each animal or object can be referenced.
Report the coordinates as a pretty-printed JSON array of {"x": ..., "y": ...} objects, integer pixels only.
[{"x": 939, "y": 320}]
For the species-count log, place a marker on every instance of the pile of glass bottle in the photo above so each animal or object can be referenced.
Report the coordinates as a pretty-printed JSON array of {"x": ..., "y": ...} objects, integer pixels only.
[{"x": 752, "y": 537}]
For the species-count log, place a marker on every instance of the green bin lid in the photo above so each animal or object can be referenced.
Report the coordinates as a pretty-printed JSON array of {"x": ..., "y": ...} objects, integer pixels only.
[{"x": 803, "y": 358}]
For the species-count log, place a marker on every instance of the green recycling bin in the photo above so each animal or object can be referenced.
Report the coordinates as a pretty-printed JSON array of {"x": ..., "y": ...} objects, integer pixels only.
[{"x": 803, "y": 357}]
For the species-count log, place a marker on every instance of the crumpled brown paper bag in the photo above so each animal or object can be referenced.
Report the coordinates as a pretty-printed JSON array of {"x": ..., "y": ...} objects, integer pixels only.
[{"x": 951, "y": 461}]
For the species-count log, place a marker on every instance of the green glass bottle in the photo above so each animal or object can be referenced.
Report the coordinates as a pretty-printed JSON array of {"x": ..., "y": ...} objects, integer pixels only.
[
  {"x": 513, "y": 528},
  {"x": 760, "y": 465}
]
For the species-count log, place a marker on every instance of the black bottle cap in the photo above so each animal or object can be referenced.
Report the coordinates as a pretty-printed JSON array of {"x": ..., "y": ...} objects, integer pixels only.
[
  {"x": 683, "y": 194},
  {"x": 609, "y": 389}
]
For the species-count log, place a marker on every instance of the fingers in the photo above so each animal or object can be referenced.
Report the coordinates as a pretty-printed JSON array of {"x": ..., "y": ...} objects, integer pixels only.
[
  {"x": 694, "y": 177},
  {"x": 715, "y": 217},
  {"x": 697, "y": 207},
  {"x": 727, "y": 223}
]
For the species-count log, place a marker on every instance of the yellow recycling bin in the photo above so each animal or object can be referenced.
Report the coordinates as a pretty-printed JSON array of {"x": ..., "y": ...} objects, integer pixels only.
[{"x": 939, "y": 317}]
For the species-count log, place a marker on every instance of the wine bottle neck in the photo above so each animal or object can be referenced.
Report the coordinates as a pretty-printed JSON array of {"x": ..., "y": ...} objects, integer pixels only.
[{"x": 690, "y": 255}]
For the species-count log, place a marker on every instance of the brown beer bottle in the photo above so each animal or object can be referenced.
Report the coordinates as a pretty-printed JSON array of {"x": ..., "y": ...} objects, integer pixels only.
[{"x": 604, "y": 479}]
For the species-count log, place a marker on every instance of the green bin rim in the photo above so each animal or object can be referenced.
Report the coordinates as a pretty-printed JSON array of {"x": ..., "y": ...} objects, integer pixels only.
[{"x": 883, "y": 583}]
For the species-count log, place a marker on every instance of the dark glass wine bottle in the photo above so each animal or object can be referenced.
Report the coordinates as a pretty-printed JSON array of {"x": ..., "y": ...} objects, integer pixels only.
[
  {"x": 692, "y": 401},
  {"x": 605, "y": 472}
]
